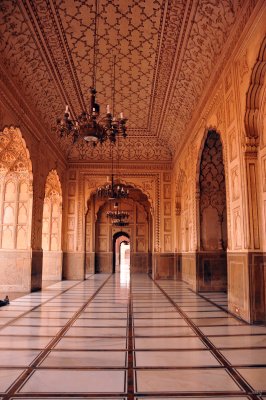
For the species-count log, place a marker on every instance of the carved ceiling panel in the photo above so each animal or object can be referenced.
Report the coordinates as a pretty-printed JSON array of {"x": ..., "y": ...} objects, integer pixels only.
[
  {"x": 166, "y": 51},
  {"x": 133, "y": 148}
]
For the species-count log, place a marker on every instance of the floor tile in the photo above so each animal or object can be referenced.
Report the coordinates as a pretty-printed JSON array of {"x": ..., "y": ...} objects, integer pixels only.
[
  {"x": 159, "y": 322},
  {"x": 233, "y": 330},
  {"x": 164, "y": 331},
  {"x": 246, "y": 356},
  {"x": 81, "y": 359},
  {"x": 30, "y": 330},
  {"x": 40, "y": 322},
  {"x": 80, "y": 331},
  {"x": 216, "y": 321},
  {"x": 207, "y": 380},
  {"x": 73, "y": 381},
  {"x": 193, "y": 358},
  {"x": 115, "y": 315},
  {"x": 17, "y": 358},
  {"x": 256, "y": 377},
  {"x": 166, "y": 315},
  {"x": 24, "y": 342},
  {"x": 101, "y": 322},
  {"x": 239, "y": 341},
  {"x": 7, "y": 377},
  {"x": 206, "y": 314},
  {"x": 91, "y": 343},
  {"x": 169, "y": 343}
]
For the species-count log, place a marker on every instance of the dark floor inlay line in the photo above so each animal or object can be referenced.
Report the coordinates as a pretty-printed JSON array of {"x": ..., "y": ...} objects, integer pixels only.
[{"x": 130, "y": 362}]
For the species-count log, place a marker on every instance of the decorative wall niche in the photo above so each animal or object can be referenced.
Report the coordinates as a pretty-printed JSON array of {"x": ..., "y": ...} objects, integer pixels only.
[{"x": 212, "y": 195}]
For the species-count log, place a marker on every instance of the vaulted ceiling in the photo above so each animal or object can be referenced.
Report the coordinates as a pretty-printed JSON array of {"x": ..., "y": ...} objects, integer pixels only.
[{"x": 166, "y": 52}]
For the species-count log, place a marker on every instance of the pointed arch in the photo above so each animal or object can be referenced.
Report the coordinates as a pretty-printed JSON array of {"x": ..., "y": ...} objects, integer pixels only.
[{"x": 253, "y": 115}]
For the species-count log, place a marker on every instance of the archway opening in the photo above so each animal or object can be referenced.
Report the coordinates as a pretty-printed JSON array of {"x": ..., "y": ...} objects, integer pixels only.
[
  {"x": 212, "y": 263},
  {"x": 100, "y": 231},
  {"x": 121, "y": 256}
]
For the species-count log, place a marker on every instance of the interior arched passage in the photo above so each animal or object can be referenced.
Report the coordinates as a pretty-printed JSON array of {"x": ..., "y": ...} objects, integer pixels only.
[
  {"x": 51, "y": 229},
  {"x": 212, "y": 264},
  {"x": 15, "y": 212},
  {"x": 100, "y": 231}
]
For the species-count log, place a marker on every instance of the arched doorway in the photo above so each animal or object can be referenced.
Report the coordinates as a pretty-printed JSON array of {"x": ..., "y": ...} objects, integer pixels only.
[
  {"x": 121, "y": 252},
  {"x": 212, "y": 263}
]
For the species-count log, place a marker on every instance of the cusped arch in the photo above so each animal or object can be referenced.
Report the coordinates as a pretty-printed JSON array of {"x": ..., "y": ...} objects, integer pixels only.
[
  {"x": 53, "y": 185},
  {"x": 252, "y": 120},
  {"x": 14, "y": 153},
  {"x": 127, "y": 183},
  {"x": 142, "y": 188}
]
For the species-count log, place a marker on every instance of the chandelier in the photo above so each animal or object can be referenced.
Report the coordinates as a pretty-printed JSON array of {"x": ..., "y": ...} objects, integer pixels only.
[
  {"x": 117, "y": 214},
  {"x": 120, "y": 223},
  {"x": 112, "y": 190},
  {"x": 88, "y": 125}
]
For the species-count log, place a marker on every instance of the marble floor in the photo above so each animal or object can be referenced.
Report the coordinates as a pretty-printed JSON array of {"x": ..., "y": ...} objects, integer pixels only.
[{"x": 118, "y": 337}]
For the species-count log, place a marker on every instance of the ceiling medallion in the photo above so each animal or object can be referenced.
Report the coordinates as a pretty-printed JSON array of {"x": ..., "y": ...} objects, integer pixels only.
[{"x": 89, "y": 126}]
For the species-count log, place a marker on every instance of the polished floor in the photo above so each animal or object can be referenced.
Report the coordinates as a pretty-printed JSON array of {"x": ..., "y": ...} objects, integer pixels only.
[{"x": 113, "y": 337}]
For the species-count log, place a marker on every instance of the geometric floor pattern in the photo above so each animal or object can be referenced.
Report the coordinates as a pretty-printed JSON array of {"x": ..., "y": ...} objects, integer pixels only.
[{"x": 118, "y": 337}]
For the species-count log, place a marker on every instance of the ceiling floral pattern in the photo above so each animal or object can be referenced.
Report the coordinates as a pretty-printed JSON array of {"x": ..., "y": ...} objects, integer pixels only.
[{"x": 166, "y": 51}]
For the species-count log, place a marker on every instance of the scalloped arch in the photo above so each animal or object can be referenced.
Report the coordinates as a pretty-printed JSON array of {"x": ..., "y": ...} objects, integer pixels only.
[
  {"x": 14, "y": 151},
  {"x": 53, "y": 184},
  {"x": 201, "y": 147},
  {"x": 126, "y": 183},
  {"x": 254, "y": 97}
]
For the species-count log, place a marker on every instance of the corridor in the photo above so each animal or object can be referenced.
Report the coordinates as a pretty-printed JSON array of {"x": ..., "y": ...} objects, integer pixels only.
[{"x": 113, "y": 337}]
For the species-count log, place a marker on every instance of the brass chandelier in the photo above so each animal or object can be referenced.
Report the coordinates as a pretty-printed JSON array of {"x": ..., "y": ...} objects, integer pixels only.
[
  {"x": 117, "y": 216},
  {"x": 112, "y": 190},
  {"x": 88, "y": 125}
]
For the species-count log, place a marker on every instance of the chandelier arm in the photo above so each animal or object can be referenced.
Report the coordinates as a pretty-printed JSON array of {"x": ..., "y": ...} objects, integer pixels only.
[
  {"x": 95, "y": 45},
  {"x": 113, "y": 86}
]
